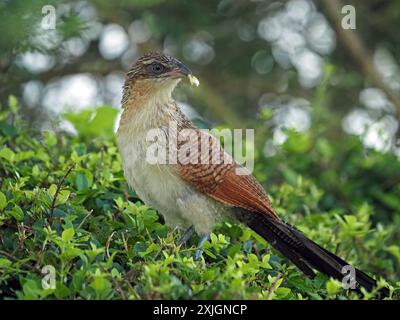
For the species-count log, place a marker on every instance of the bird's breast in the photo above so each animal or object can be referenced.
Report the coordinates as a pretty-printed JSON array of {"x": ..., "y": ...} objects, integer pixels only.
[
  {"x": 161, "y": 185},
  {"x": 158, "y": 185}
]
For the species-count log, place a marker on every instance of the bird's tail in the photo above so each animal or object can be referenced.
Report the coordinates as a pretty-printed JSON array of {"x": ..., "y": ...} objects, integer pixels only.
[{"x": 305, "y": 253}]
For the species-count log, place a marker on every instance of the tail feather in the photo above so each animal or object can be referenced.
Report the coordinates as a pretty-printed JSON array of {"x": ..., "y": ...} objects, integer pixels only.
[{"x": 303, "y": 252}]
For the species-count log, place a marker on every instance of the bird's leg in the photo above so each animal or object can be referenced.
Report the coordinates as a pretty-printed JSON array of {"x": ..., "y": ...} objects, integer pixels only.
[
  {"x": 199, "y": 251},
  {"x": 187, "y": 234}
]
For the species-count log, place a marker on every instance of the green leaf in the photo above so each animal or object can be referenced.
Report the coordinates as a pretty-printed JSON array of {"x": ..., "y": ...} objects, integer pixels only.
[
  {"x": 7, "y": 130},
  {"x": 3, "y": 201},
  {"x": 13, "y": 104},
  {"x": 35, "y": 170},
  {"x": 72, "y": 253},
  {"x": 282, "y": 292},
  {"x": 63, "y": 196},
  {"x": 210, "y": 254},
  {"x": 67, "y": 235},
  {"x": 52, "y": 190},
  {"x": 24, "y": 155},
  {"x": 94, "y": 123},
  {"x": 17, "y": 213},
  {"x": 103, "y": 122},
  {"x": 50, "y": 139},
  {"x": 265, "y": 262},
  {"x": 83, "y": 180},
  {"x": 62, "y": 291},
  {"x": 5, "y": 263},
  {"x": 94, "y": 252},
  {"x": 333, "y": 287},
  {"x": 394, "y": 250},
  {"x": 298, "y": 142},
  {"x": 32, "y": 290},
  {"x": 100, "y": 284},
  {"x": 7, "y": 154},
  {"x": 149, "y": 250},
  {"x": 115, "y": 273}
]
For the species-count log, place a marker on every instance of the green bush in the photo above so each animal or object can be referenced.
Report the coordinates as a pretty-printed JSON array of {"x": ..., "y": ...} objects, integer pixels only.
[{"x": 65, "y": 203}]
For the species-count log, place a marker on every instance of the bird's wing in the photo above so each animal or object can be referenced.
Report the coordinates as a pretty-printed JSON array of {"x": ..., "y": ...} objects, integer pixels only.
[{"x": 212, "y": 171}]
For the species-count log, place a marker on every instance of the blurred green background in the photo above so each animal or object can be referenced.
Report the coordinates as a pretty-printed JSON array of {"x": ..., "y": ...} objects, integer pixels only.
[
  {"x": 251, "y": 56},
  {"x": 324, "y": 101},
  {"x": 281, "y": 67}
]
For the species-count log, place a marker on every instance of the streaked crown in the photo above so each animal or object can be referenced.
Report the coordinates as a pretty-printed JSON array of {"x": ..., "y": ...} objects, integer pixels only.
[{"x": 156, "y": 65}]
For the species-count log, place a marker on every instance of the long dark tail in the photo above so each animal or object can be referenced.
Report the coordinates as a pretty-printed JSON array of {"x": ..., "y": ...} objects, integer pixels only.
[{"x": 303, "y": 252}]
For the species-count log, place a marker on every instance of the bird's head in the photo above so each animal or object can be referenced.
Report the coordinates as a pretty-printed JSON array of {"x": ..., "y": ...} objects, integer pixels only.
[{"x": 156, "y": 73}]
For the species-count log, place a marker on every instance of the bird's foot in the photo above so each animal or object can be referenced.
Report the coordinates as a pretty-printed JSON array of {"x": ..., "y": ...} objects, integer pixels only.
[
  {"x": 199, "y": 251},
  {"x": 187, "y": 234}
]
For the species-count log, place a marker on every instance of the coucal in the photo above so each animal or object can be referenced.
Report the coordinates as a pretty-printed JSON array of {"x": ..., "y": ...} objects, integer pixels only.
[{"x": 198, "y": 192}]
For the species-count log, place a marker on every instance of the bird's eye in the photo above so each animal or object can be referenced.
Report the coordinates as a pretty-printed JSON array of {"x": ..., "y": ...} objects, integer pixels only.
[{"x": 156, "y": 68}]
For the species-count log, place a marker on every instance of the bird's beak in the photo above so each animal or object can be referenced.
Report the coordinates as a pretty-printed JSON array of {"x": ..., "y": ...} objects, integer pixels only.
[
  {"x": 184, "y": 71},
  {"x": 193, "y": 80}
]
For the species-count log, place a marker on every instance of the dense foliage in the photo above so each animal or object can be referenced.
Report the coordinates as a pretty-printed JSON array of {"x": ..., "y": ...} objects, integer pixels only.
[{"x": 64, "y": 202}]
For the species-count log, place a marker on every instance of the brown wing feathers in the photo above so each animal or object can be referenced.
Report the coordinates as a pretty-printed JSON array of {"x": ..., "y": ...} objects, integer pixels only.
[
  {"x": 243, "y": 191},
  {"x": 213, "y": 172}
]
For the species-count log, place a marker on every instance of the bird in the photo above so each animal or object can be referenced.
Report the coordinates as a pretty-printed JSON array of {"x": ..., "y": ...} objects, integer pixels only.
[{"x": 203, "y": 186}]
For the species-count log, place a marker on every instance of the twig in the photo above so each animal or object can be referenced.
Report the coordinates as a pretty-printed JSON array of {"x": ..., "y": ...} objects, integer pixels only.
[
  {"x": 125, "y": 241},
  {"x": 21, "y": 237},
  {"x": 59, "y": 186},
  {"x": 15, "y": 259},
  {"x": 108, "y": 243},
  {"x": 354, "y": 44},
  {"x": 273, "y": 285},
  {"x": 118, "y": 287},
  {"x": 84, "y": 219}
]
